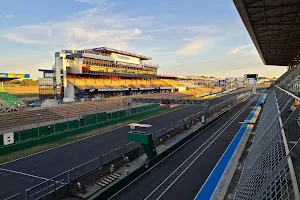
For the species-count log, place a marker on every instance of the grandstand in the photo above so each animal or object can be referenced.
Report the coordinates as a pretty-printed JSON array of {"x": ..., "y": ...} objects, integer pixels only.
[
  {"x": 101, "y": 72},
  {"x": 8, "y": 100},
  {"x": 81, "y": 75}
]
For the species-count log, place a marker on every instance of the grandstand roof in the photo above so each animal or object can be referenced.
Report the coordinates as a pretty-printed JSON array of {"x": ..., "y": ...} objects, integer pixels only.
[
  {"x": 106, "y": 49},
  {"x": 9, "y": 76},
  {"x": 88, "y": 55},
  {"x": 274, "y": 27},
  {"x": 167, "y": 76}
]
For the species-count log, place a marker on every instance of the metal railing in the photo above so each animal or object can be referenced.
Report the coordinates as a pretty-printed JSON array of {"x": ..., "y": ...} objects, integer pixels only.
[{"x": 268, "y": 171}]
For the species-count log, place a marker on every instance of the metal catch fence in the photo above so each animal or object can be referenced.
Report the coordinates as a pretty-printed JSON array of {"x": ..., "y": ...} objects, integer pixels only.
[{"x": 268, "y": 171}]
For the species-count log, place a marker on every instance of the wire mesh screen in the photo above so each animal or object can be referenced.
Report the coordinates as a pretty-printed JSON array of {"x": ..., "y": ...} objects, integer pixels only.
[{"x": 267, "y": 172}]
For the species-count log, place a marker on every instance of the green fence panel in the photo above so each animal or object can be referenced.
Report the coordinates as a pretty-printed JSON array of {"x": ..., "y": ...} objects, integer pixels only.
[
  {"x": 1, "y": 140},
  {"x": 29, "y": 134},
  {"x": 102, "y": 117},
  {"x": 61, "y": 127},
  {"x": 122, "y": 113},
  {"x": 73, "y": 124},
  {"x": 134, "y": 110},
  {"x": 115, "y": 115},
  {"x": 16, "y": 137},
  {"x": 91, "y": 119},
  {"x": 82, "y": 122},
  {"x": 46, "y": 130}
]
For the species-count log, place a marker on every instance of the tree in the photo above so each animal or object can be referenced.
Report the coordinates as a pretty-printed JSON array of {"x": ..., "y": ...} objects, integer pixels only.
[{"x": 29, "y": 82}]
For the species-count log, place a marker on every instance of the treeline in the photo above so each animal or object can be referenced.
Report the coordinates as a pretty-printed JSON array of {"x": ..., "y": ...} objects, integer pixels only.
[{"x": 24, "y": 82}]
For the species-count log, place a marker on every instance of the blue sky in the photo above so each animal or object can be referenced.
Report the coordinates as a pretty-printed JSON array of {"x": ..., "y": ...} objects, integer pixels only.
[{"x": 193, "y": 37}]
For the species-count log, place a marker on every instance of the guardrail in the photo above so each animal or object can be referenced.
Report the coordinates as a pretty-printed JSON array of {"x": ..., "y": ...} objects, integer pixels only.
[{"x": 62, "y": 181}]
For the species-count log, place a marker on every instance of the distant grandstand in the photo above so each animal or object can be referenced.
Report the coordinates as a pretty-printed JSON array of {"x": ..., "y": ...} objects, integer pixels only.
[
  {"x": 102, "y": 72},
  {"x": 94, "y": 74},
  {"x": 8, "y": 100}
]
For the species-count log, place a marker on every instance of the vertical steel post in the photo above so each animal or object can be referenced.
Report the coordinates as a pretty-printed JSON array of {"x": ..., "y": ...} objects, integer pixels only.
[
  {"x": 69, "y": 177},
  {"x": 84, "y": 115},
  {"x": 19, "y": 136},
  {"x": 38, "y": 123},
  {"x": 97, "y": 120},
  {"x": 54, "y": 127},
  {"x": 79, "y": 118},
  {"x": 27, "y": 194},
  {"x": 68, "y": 126}
]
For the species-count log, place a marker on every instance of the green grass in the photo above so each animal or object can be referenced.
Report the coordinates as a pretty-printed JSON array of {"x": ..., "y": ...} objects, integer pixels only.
[{"x": 43, "y": 147}]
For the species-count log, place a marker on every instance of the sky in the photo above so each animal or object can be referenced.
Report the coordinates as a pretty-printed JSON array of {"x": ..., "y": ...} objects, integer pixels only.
[{"x": 192, "y": 37}]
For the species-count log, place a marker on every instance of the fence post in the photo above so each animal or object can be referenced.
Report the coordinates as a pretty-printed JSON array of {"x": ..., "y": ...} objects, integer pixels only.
[
  {"x": 97, "y": 120},
  {"x": 27, "y": 194},
  {"x": 69, "y": 178},
  {"x": 38, "y": 123},
  {"x": 54, "y": 123},
  {"x": 79, "y": 118},
  {"x": 84, "y": 115},
  {"x": 68, "y": 126},
  {"x": 19, "y": 136}
]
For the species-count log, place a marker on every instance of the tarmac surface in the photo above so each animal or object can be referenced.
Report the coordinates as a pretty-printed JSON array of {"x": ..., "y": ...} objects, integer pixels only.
[
  {"x": 21, "y": 174},
  {"x": 182, "y": 174}
]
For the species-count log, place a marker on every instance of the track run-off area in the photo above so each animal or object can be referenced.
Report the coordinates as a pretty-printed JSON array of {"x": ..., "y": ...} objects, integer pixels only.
[
  {"x": 18, "y": 175},
  {"x": 184, "y": 172}
]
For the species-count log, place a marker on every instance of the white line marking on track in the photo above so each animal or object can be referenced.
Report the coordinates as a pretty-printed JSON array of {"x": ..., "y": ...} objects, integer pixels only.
[
  {"x": 231, "y": 120},
  {"x": 24, "y": 174},
  {"x": 167, "y": 156},
  {"x": 11, "y": 197}
]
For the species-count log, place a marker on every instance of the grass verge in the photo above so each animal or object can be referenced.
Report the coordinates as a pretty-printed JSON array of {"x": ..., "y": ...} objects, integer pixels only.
[{"x": 43, "y": 147}]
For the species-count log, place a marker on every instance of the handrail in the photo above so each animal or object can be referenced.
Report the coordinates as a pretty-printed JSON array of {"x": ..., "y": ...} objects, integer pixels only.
[{"x": 289, "y": 93}]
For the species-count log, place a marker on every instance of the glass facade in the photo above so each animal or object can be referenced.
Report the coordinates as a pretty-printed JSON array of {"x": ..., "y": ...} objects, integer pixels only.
[{"x": 46, "y": 89}]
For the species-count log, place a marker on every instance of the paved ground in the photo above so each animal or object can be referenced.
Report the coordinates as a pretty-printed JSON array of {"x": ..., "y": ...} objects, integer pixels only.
[
  {"x": 181, "y": 175},
  {"x": 24, "y": 173}
]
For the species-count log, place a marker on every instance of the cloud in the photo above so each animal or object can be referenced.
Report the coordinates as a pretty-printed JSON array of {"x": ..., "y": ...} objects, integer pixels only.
[
  {"x": 29, "y": 34},
  {"x": 186, "y": 29},
  {"x": 104, "y": 4},
  {"x": 201, "y": 29},
  {"x": 194, "y": 47},
  {"x": 81, "y": 31},
  {"x": 242, "y": 48},
  {"x": 9, "y": 16}
]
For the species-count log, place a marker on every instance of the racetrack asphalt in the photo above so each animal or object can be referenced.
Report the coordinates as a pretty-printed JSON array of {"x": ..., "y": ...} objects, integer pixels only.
[
  {"x": 29, "y": 171},
  {"x": 182, "y": 174}
]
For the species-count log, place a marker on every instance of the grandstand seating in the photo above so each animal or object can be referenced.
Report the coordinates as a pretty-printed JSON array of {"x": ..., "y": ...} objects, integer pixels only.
[
  {"x": 290, "y": 80},
  {"x": 172, "y": 83},
  {"x": 159, "y": 83},
  {"x": 201, "y": 91},
  {"x": 9, "y": 100},
  {"x": 100, "y": 83}
]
